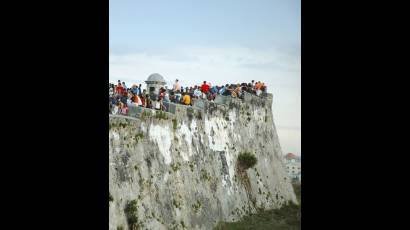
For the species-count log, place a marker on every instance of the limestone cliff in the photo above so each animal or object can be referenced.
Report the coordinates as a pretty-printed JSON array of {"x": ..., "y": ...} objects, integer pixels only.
[{"x": 181, "y": 169}]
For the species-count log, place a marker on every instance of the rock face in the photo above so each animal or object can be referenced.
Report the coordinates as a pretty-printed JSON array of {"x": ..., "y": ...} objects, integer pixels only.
[{"x": 181, "y": 170}]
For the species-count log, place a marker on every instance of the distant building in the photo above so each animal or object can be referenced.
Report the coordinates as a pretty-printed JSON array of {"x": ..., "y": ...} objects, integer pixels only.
[{"x": 293, "y": 166}]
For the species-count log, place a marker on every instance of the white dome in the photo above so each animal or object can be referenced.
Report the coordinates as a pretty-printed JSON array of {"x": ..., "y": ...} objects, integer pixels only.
[{"x": 155, "y": 77}]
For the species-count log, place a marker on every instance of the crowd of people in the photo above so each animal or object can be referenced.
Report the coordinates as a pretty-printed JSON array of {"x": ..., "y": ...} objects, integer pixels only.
[{"x": 121, "y": 97}]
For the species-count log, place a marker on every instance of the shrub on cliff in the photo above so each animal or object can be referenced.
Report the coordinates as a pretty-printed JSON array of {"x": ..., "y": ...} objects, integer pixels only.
[
  {"x": 131, "y": 212},
  {"x": 174, "y": 123},
  {"x": 161, "y": 115},
  {"x": 247, "y": 160}
]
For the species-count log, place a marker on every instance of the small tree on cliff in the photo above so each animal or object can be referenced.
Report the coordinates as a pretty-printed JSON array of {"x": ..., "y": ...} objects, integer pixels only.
[{"x": 246, "y": 160}]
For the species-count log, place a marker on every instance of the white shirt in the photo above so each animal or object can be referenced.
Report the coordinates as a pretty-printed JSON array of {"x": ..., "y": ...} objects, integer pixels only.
[
  {"x": 197, "y": 93},
  {"x": 115, "y": 110},
  {"x": 177, "y": 86},
  {"x": 157, "y": 105}
]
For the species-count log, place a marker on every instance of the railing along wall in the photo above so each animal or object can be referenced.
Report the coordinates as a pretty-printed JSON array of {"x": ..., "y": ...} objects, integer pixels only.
[{"x": 198, "y": 104}]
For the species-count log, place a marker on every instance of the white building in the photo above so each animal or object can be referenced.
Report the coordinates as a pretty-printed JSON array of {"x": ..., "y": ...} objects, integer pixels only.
[
  {"x": 293, "y": 166},
  {"x": 154, "y": 82}
]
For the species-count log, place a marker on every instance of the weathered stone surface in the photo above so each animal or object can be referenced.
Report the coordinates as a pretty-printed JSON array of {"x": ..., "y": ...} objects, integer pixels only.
[{"x": 182, "y": 170}]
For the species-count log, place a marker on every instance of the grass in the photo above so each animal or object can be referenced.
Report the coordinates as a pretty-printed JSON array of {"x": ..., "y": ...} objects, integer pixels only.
[{"x": 286, "y": 218}]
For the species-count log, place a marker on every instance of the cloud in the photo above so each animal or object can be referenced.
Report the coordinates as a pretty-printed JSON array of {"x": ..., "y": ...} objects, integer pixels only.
[{"x": 195, "y": 64}]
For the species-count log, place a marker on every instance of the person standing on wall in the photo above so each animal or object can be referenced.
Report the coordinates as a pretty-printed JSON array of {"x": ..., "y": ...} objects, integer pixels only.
[
  {"x": 204, "y": 89},
  {"x": 177, "y": 86},
  {"x": 119, "y": 88}
]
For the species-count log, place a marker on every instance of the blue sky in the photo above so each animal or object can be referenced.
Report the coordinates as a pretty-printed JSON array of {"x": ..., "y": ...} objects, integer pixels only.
[
  {"x": 138, "y": 25},
  {"x": 212, "y": 40}
]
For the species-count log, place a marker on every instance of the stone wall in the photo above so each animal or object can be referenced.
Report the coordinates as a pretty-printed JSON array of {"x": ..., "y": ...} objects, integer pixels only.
[{"x": 181, "y": 168}]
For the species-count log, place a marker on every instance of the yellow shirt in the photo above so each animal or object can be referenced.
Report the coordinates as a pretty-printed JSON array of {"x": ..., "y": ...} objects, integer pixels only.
[{"x": 186, "y": 99}]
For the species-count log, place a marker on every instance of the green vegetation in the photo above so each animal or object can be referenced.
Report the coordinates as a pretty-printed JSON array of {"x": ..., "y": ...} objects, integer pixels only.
[
  {"x": 146, "y": 114},
  {"x": 246, "y": 160},
  {"x": 176, "y": 167},
  {"x": 197, "y": 206},
  {"x": 191, "y": 165},
  {"x": 205, "y": 175},
  {"x": 120, "y": 124},
  {"x": 268, "y": 195},
  {"x": 286, "y": 218},
  {"x": 297, "y": 189},
  {"x": 161, "y": 115},
  {"x": 199, "y": 115},
  {"x": 139, "y": 136},
  {"x": 176, "y": 203},
  {"x": 174, "y": 123},
  {"x": 120, "y": 227},
  {"x": 111, "y": 198},
  {"x": 131, "y": 212}
]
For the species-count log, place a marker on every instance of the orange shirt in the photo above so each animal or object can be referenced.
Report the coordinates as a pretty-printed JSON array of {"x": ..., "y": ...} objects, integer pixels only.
[{"x": 258, "y": 85}]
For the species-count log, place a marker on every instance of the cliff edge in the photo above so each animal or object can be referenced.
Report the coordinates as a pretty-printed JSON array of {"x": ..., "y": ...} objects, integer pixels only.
[{"x": 179, "y": 170}]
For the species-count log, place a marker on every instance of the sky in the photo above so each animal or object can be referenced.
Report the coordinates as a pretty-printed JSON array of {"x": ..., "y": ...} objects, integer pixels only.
[{"x": 220, "y": 41}]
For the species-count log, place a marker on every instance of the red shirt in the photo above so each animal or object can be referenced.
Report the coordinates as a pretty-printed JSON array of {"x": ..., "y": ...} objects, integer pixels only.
[
  {"x": 142, "y": 101},
  {"x": 205, "y": 88},
  {"x": 119, "y": 89}
]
